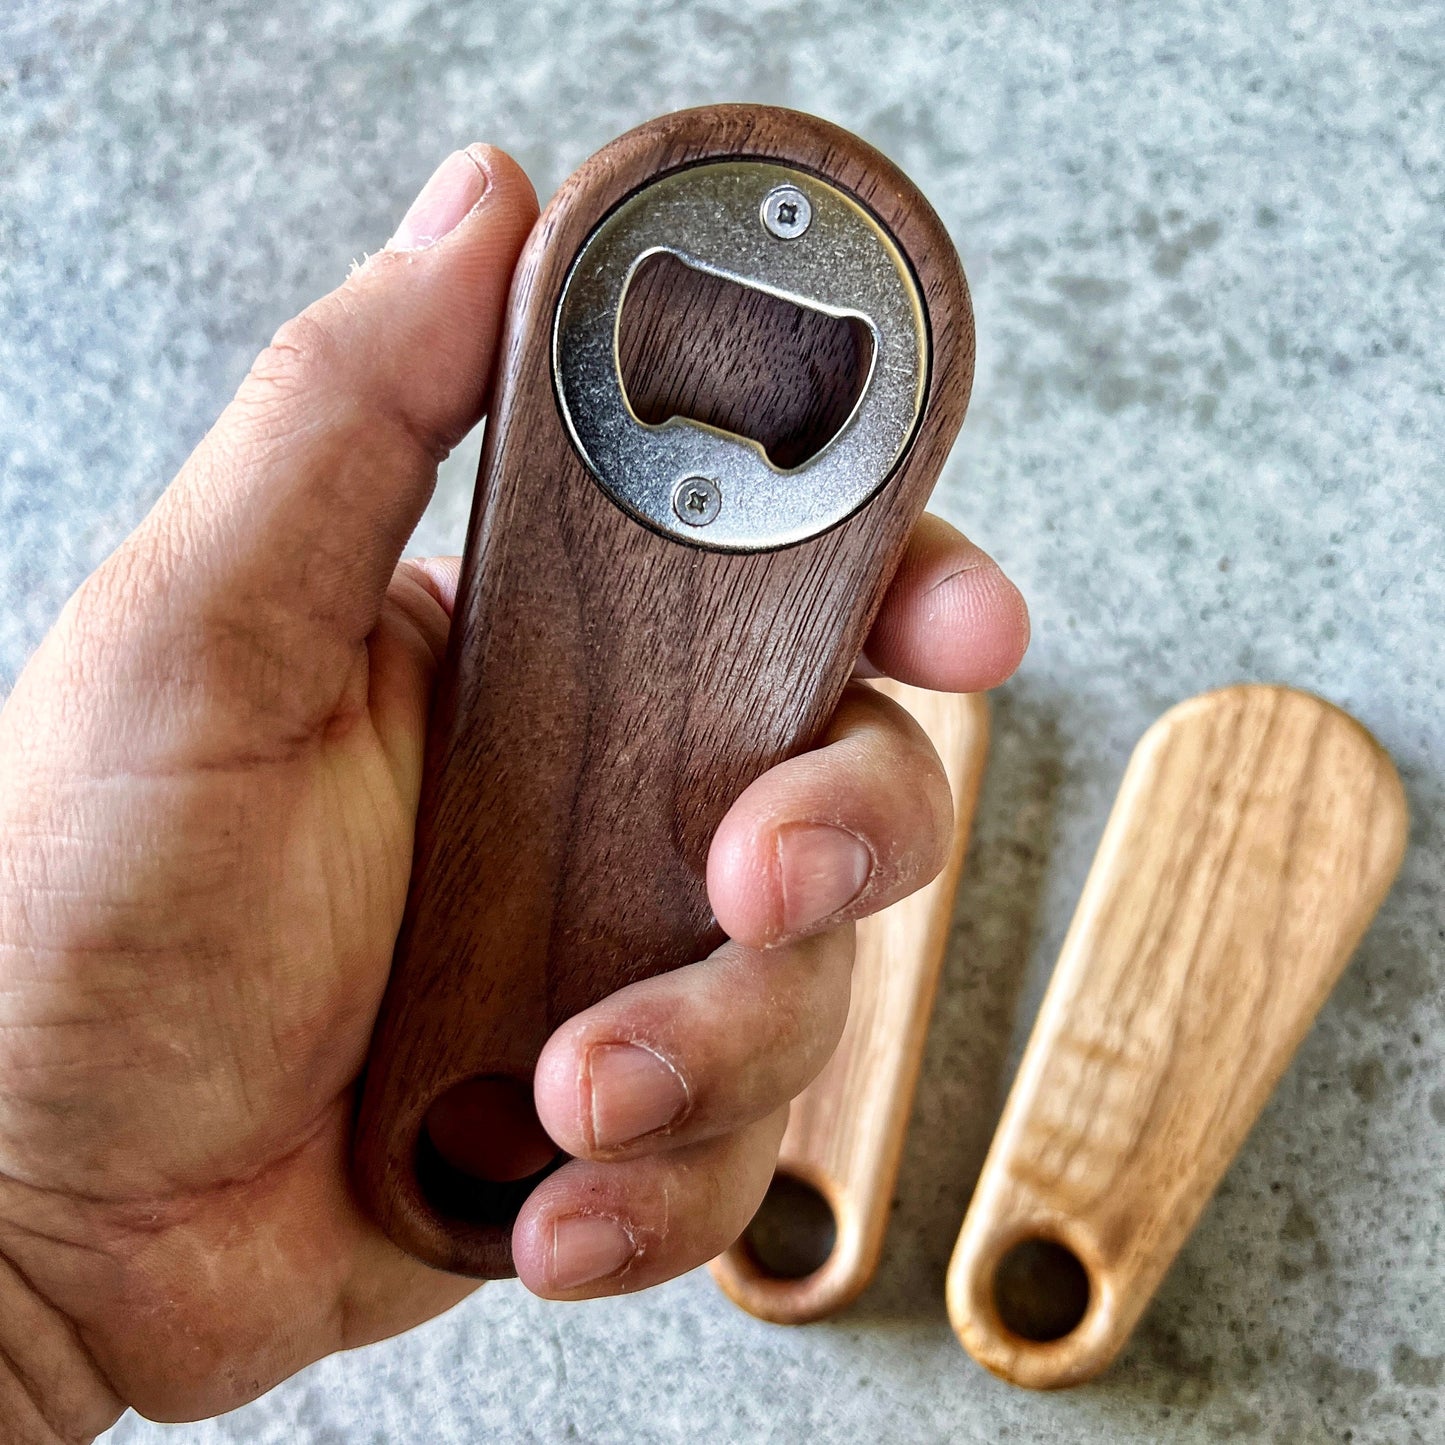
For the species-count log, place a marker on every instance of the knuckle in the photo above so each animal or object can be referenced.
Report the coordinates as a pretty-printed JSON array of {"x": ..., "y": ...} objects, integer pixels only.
[
  {"x": 302, "y": 351},
  {"x": 902, "y": 794},
  {"x": 796, "y": 1000},
  {"x": 821, "y": 1020},
  {"x": 102, "y": 610},
  {"x": 315, "y": 363},
  {"x": 928, "y": 800},
  {"x": 936, "y": 803}
]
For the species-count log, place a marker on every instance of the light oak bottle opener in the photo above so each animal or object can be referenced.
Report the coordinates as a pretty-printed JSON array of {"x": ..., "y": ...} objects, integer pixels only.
[
  {"x": 738, "y": 349},
  {"x": 846, "y": 1130},
  {"x": 1255, "y": 834}
]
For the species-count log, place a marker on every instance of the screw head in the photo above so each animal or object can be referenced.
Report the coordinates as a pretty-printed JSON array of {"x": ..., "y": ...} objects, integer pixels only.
[
  {"x": 787, "y": 212},
  {"x": 696, "y": 500}
]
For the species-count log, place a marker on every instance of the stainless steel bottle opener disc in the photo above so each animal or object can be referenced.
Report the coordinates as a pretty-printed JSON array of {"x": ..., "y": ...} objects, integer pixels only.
[{"x": 780, "y": 231}]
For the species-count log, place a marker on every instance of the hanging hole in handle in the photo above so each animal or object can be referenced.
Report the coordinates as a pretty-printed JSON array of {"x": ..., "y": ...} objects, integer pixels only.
[
  {"x": 482, "y": 1150},
  {"x": 697, "y": 345},
  {"x": 1041, "y": 1290},
  {"x": 794, "y": 1232}
]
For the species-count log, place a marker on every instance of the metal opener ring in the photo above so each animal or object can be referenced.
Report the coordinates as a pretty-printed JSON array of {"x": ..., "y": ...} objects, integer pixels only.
[{"x": 780, "y": 231}]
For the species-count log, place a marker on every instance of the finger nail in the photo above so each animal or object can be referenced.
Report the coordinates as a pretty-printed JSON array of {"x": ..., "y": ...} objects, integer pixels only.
[
  {"x": 633, "y": 1092},
  {"x": 455, "y": 187},
  {"x": 587, "y": 1247},
  {"x": 822, "y": 870}
]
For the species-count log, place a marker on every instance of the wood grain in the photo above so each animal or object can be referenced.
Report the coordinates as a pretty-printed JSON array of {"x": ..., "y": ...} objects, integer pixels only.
[
  {"x": 845, "y": 1132},
  {"x": 1256, "y": 832},
  {"x": 697, "y": 345},
  {"x": 607, "y": 693}
]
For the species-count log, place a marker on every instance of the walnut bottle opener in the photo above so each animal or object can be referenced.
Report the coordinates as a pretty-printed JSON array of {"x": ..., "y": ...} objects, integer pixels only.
[
  {"x": 1255, "y": 834},
  {"x": 846, "y": 1130},
  {"x": 737, "y": 351}
]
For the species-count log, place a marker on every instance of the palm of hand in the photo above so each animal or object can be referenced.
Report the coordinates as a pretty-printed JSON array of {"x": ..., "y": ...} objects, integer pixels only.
[{"x": 175, "y": 1081}]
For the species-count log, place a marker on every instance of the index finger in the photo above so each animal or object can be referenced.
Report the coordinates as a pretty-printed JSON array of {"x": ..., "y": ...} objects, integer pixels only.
[{"x": 951, "y": 621}]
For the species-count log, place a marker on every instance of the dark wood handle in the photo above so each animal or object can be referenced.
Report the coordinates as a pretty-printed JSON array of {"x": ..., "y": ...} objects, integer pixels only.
[{"x": 609, "y": 691}]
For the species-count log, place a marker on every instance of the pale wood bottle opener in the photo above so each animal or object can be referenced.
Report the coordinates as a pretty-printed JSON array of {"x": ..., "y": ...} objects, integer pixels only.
[
  {"x": 846, "y": 1130},
  {"x": 1256, "y": 832},
  {"x": 737, "y": 351}
]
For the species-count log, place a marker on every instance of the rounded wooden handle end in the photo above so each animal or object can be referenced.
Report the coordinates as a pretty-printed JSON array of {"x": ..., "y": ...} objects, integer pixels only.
[
  {"x": 804, "y": 1257},
  {"x": 1256, "y": 831},
  {"x": 1032, "y": 1302}
]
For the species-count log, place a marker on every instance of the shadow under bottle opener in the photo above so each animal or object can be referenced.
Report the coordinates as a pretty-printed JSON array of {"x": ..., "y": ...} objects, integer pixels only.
[{"x": 738, "y": 349}]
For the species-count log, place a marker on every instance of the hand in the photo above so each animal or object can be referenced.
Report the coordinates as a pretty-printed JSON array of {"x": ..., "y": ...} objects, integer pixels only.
[{"x": 208, "y": 784}]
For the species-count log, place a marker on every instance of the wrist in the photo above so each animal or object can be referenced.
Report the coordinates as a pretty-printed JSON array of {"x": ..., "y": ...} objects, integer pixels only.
[{"x": 51, "y": 1391}]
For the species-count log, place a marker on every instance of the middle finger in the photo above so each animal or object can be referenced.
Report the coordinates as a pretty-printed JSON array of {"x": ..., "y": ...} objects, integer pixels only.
[{"x": 695, "y": 1053}]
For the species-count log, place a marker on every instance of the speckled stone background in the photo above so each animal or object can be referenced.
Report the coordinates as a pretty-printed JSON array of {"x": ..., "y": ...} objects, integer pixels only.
[{"x": 1204, "y": 243}]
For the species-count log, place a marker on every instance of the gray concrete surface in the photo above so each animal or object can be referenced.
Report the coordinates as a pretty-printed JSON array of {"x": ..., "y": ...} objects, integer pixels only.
[{"x": 1206, "y": 437}]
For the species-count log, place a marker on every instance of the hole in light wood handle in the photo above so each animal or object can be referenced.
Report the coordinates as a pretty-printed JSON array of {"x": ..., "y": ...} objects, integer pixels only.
[
  {"x": 1255, "y": 834},
  {"x": 1041, "y": 1290},
  {"x": 795, "y": 1232},
  {"x": 845, "y": 1133}
]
